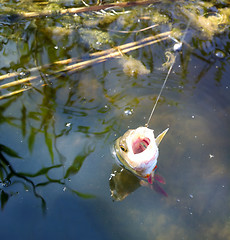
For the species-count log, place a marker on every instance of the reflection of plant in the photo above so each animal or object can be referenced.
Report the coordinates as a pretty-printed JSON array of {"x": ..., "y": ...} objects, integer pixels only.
[
  {"x": 56, "y": 39},
  {"x": 67, "y": 25},
  {"x": 7, "y": 172},
  {"x": 77, "y": 163}
]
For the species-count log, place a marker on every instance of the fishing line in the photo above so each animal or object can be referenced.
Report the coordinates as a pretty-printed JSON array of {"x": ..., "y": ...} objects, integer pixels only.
[{"x": 176, "y": 48}]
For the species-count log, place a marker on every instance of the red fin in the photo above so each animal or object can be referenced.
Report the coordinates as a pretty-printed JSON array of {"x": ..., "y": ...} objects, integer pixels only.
[
  {"x": 159, "y": 178},
  {"x": 159, "y": 189},
  {"x": 150, "y": 179},
  {"x": 151, "y": 175}
]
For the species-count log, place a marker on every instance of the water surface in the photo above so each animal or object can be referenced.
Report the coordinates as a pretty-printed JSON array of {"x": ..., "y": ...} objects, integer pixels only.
[{"x": 56, "y": 136}]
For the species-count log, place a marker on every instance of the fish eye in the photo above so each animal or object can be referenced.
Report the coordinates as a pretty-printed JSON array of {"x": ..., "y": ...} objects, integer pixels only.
[{"x": 123, "y": 148}]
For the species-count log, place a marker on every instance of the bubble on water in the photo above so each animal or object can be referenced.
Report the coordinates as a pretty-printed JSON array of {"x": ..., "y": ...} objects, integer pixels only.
[
  {"x": 68, "y": 124},
  {"x": 128, "y": 111},
  {"x": 177, "y": 47},
  {"x": 5, "y": 183},
  {"x": 104, "y": 109},
  {"x": 22, "y": 73},
  {"x": 25, "y": 86},
  {"x": 220, "y": 54},
  {"x": 98, "y": 43}
]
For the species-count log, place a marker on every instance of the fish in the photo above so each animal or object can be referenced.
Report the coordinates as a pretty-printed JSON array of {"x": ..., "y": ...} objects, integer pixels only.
[{"x": 137, "y": 150}]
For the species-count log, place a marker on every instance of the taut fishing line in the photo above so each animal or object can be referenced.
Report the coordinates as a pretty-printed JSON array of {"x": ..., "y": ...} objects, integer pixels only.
[{"x": 177, "y": 47}]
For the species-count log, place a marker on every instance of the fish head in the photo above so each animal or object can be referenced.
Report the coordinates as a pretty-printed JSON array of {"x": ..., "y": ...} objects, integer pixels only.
[{"x": 137, "y": 150}]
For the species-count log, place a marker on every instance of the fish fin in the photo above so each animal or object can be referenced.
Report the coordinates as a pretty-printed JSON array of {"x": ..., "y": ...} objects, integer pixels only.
[
  {"x": 150, "y": 176},
  {"x": 160, "y": 136},
  {"x": 159, "y": 189},
  {"x": 150, "y": 179},
  {"x": 159, "y": 178}
]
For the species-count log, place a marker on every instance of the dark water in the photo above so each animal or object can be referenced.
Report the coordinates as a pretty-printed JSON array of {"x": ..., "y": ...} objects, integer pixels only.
[{"x": 56, "y": 136}]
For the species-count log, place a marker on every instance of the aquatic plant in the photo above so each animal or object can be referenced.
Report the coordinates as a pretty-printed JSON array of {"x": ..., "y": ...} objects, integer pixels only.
[{"x": 133, "y": 67}]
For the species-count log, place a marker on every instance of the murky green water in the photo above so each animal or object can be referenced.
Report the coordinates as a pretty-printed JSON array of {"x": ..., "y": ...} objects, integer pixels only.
[{"x": 57, "y": 134}]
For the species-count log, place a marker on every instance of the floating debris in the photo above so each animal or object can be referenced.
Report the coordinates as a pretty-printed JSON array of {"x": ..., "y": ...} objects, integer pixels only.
[
  {"x": 128, "y": 111},
  {"x": 210, "y": 23},
  {"x": 170, "y": 60},
  {"x": 133, "y": 67},
  {"x": 95, "y": 38}
]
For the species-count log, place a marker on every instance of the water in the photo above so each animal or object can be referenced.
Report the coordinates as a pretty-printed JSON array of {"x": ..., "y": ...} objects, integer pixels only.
[{"x": 64, "y": 126}]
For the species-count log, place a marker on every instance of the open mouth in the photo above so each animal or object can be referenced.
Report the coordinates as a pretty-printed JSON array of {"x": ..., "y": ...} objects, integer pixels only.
[{"x": 140, "y": 144}]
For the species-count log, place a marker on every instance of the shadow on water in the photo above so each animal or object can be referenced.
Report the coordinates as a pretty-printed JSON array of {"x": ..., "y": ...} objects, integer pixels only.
[{"x": 56, "y": 133}]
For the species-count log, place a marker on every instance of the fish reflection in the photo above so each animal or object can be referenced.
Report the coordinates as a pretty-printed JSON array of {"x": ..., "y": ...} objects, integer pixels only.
[{"x": 122, "y": 183}]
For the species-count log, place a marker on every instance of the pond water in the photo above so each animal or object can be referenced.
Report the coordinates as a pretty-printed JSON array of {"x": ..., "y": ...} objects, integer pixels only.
[{"x": 59, "y": 124}]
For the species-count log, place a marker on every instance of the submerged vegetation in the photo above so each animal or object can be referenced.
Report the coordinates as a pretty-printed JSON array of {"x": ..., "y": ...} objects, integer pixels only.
[
  {"x": 92, "y": 33},
  {"x": 72, "y": 71},
  {"x": 88, "y": 26},
  {"x": 133, "y": 67}
]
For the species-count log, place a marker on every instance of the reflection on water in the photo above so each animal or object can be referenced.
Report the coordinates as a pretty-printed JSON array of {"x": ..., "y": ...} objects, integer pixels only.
[
  {"x": 58, "y": 126},
  {"x": 122, "y": 183}
]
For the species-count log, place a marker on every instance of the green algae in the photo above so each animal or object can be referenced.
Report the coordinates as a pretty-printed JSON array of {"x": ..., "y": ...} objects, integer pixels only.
[
  {"x": 95, "y": 38},
  {"x": 133, "y": 67}
]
